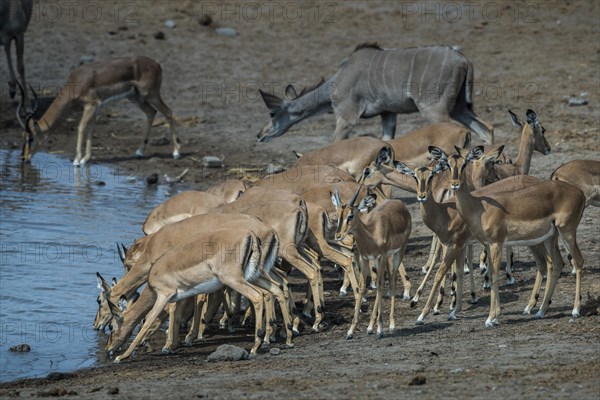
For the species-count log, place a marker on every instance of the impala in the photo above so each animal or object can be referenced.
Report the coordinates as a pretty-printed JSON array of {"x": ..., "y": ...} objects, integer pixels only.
[
  {"x": 536, "y": 214},
  {"x": 93, "y": 85},
  {"x": 380, "y": 235},
  {"x": 436, "y": 81},
  {"x": 189, "y": 269},
  {"x": 14, "y": 19},
  {"x": 583, "y": 174}
]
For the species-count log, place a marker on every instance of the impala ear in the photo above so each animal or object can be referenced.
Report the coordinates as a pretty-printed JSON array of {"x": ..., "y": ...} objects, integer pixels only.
[
  {"x": 115, "y": 311},
  {"x": 290, "y": 92},
  {"x": 385, "y": 156},
  {"x": 367, "y": 172},
  {"x": 442, "y": 165},
  {"x": 474, "y": 154},
  {"x": 436, "y": 153},
  {"x": 515, "y": 120},
  {"x": 121, "y": 250},
  {"x": 492, "y": 155},
  {"x": 531, "y": 117},
  {"x": 367, "y": 203},
  {"x": 102, "y": 285},
  {"x": 335, "y": 197},
  {"x": 403, "y": 169},
  {"x": 123, "y": 303},
  {"x": 271, "y": 101},
  {"x": 113, "y": 282}
]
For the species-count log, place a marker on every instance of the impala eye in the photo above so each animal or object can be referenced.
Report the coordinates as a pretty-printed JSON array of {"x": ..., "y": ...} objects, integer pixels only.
[{"x": 272, "y": 114}]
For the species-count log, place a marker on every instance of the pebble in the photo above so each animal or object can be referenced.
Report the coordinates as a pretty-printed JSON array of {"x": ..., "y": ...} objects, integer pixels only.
[
  {"x": 457, "y": 371},
  {"x": 152, "y": 179},
  {"x": 228, "y": 352},
  {"x": 87, "y": 59},
  {"x": 275, "y": 351},
  {"x": 418, "y": 380},
  {"x": 159, "y": 35},
  {"x": 114, "y": 390},
  {"x": 212, "y": 162},
  {"x": 170, "y": 24},
  {"x": 226, "y": 32},
  {"x": 20, "y": 348},
  {"x": 577, "y": 101}
]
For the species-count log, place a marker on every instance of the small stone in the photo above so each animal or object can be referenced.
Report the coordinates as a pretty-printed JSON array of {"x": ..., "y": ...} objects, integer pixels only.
[
  {"x": 114, "y": 390},
  {"x": 123, "y": 28},
  {"x": 20, "y": 348},
  {"x": 230, "y": 32},
  {"x": 152, "y": 179},
  {"x": 457, "y": 371},
  {"x": 577, "y": 101},
  {"x": 212, "y": 162},
  {"x": 159, "y": 35},
  {"x": 275, "y": 351},
  {"x": 418, "y": 380},
  {"x": 170, "y": 24},
  {"x": 228, "y": 352},
  {"x": 87, "y": 59}
]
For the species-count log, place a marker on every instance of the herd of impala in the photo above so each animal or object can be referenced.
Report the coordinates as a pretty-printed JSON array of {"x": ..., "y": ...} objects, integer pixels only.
[{"x": 203, "y": 251}]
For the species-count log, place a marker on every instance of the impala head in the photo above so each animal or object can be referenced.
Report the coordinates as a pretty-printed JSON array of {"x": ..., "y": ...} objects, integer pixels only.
[
  {"x": 457, "y": 163},
  {"x": 30, "y": 126},
  {"x": 381, "y": 170},
  {"x": 535, "y": 130},
  {"x": 103, "y": 316},
  {"x": 347, "y": 212},
  {"x": 422, "y": 176},
  {"x": 281, "y": 115},
  {"x": 118, "y": 314}
]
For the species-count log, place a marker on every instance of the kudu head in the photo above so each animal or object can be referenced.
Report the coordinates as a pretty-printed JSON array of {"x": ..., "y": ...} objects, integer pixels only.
[
  {"x": 535, "y": 131},
  {"x": 281, "y": 117},
  {"x": 30, "y": 126}
]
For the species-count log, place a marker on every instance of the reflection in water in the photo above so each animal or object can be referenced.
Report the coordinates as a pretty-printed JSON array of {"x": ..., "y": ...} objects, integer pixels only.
[{"x": 58, "y": 226}]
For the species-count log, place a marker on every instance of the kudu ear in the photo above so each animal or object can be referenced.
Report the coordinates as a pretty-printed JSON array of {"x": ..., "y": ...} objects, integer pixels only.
[
  {"x": 290, "y": 92},
  {"x": 531, "y": 117},
  {"x": 272, "y": 102},
  {"x": 403, "y": 169},
  {"x": 515, "y": 120},
  {"x": 436, "y": 153},
  {"x": 385, "y": 156},
  {"x": 102, "y": 285}
]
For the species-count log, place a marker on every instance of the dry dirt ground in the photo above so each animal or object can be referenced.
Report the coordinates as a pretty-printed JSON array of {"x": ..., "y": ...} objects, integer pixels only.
[{"x": 531, "y": 54}]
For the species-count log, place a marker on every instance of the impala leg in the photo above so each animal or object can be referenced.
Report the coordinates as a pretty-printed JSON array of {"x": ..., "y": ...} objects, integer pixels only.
[
  {"x": 459, "y": 284},
  {"x": 449, "y": 258},
  {"x": 20, "y": 45},
  {"x": 510, "y": 257},
  {"x": 441, "y": 294},
  {"x": 359, "y": 292},
  {"x": 157, "y": 102},
  {"x": 469, "y": 260},
  {"x": 175, "y": 310},
  {"x": 495, "y": 259},
  {"x": 199, "y": 301},
  {"x": 388, "y": 122},
  {"x": 159, "y": 305},
  {"x": 541, "y": 260},
  {"x": 573, "y": 249},
  {"x": 433, "y": 253},
  {"x": 255, "y": 297},
  {"x": 400, "y": 270},
  {"x": 150, "y": 114},
  {"x": 414, "y": 301},
  {"x": 313, "y": 274},
  {"x": 345, "y": 284},
  {"x": 283, "y": 305},
  {"x": 89, "y": 110},
  {"x": 269, "y": 317},
  {"x": 395, "y": 270}
]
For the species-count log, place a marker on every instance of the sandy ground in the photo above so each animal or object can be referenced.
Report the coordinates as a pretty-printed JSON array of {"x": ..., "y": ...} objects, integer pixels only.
[{"x": 526, "y": 55}]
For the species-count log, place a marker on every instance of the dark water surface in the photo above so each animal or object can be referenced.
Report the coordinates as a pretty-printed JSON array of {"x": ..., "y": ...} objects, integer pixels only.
[{"x": 58, "y": 226}]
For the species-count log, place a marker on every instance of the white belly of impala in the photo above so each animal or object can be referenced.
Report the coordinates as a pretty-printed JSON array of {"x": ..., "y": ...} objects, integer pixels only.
[
  {"x": 531, "y": 242},
  {"x": 209, "y": 286}
]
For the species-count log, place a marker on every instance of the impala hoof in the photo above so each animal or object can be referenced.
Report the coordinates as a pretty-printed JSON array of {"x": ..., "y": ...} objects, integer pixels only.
[
  {"x": 369, "y": 331},
  {"x": 452, "y": 317},
  {"x": 510, "y": 281},
  {"x": 349, "y": 336},
  {"x": 379, "y": 335},
  {"x": 527, "y": 310},
  {"x": 420, "y": 321},
  {"x": 76, "y": 163},
  {"x": 139, "y": 153},
  {"x": 575, "y": 313},
  {"x": 176, "y": 155},
  {"x": 539, "y": 314},
  {"x": 489, "y": 324},
  {"x": 166, "y": 350}
]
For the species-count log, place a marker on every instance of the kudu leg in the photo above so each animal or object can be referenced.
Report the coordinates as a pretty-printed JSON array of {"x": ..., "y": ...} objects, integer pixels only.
[
  {"x": 12, "y": 83},
  {"x": 388, "y": 122}
]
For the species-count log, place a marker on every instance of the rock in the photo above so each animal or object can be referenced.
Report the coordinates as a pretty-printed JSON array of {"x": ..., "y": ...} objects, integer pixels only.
[
  {"x": 87, "y": 59},
  {"x": 418, "y": 380},
  {"x": 230, "y": 32},
  {"x": 56, "y": 392},
  {"x": 20, "y": 348},
  {"x": 100, "y": 183},
  {"x": 57, "y": 376},
  {"x": 228, "y": 352},
  {"x": 152, "y": 179},
  {"x": 274, "y": 168},
  {"x": 275, "y": 351},
  {"x": 159, "y": 35},
  {"x": 114, "y": 390},
  {"x": 212, "y": 162},
  {"x": 457, "y": 371},
  {"x": 577, "y": 101},
  {"x": 170, "y": 24}
]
